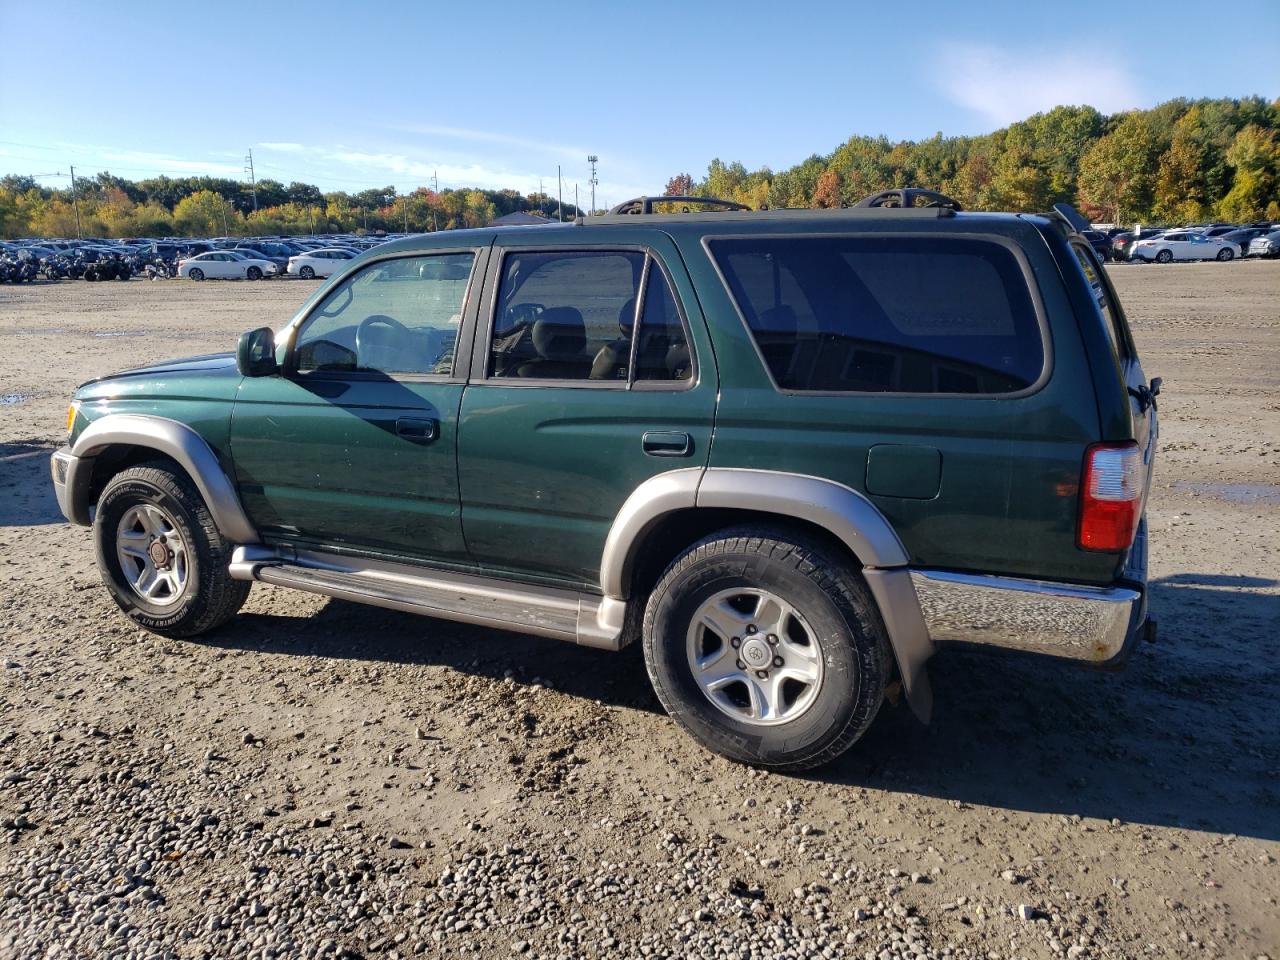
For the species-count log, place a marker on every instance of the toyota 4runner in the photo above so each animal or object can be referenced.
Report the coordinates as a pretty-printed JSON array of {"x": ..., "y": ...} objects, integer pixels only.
[{"x": 792, "y": 452}]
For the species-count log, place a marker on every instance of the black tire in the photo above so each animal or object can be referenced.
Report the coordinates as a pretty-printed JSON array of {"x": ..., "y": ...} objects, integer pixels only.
[
  {"x": 306, "y": 273},
  {"x": 254, "y": 273},
  {"x": 210, "y": 597},
  {"x": 195, "y": 273},
  {"x": 826, "y": 591},
  {"x": 1226, "y": 254},
  {"x": 1164, "y": 256}
]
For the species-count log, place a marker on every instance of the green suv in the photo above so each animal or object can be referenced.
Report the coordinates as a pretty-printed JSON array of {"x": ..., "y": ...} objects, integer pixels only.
[{"x": 793, "y": 452}]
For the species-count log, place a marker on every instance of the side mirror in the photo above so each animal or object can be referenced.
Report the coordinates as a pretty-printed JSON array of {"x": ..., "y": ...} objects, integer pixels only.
[{"x": 256, "y": 353}]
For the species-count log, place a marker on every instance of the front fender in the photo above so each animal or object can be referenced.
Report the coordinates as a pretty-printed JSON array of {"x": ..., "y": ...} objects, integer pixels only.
[{"x": 73, "y": 467}]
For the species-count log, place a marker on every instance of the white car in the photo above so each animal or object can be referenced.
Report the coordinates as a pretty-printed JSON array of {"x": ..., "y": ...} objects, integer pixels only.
[
  {"x": 1183, "y": 245},
  {"x": 319, "y": 263},
  {"x": 225, "y": 265}
]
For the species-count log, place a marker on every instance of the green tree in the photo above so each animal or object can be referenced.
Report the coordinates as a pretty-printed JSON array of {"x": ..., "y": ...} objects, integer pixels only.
[
  {"x": 1117, "y": 174},
  {"x": 205, "y": 213},
  {"x": 1255, "y": 157}
]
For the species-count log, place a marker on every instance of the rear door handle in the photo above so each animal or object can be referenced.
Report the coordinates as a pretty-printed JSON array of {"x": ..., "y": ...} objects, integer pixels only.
[
  {"x": 418, "y": 429},
  {"x": 667, "y": 443}
]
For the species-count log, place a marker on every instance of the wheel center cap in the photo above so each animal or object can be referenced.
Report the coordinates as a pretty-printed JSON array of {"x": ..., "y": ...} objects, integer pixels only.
[
  {"x": 756, "y": 652},
  {"x": 159, "y": 553}
]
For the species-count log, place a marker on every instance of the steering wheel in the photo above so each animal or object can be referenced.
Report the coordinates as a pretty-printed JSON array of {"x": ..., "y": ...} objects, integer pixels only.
[{"x": 364, "y": 331}]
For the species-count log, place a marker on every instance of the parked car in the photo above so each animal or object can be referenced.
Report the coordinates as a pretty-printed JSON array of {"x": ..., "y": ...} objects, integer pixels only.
[
  {"x": 1122, "y": 243},
  {"x": 1181, "y": 245},
  {"x": 278, "y": 260},
  {"x": 225, "y": 265},
  {"x": 1100, "y": 242},
  {"x": 319, "y": 263},
  {"x": 1241, "y": 237},
  {"x": 1267, "y": 245},
  {"x": 901, "y": 461}
]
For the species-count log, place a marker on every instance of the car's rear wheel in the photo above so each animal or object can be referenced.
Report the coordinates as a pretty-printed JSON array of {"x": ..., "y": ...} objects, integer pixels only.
[
  {"x": 306, "y": 273},
  {"x": 766, "y": 648},
  {"x": 196, "y": 273},
  {"x": 254, "y": 273},
  {"x": 161, "y": 555},
  {"x": 1164, "y": 256},
  {"x": 1226, "y": 254}
]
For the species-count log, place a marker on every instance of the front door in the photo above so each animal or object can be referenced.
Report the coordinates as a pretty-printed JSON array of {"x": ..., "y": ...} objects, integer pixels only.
[
  {"x": 592, "y": 373},
  {"x": 353, "y": 445}
]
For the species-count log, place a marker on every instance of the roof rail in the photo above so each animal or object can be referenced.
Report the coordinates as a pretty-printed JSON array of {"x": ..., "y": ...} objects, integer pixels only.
[
  {"x": 645, "y": 204},
  {"x": 907, "y": 197}
]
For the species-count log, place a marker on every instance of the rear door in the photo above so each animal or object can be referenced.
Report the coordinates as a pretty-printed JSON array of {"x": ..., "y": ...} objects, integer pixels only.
[{"x": 592, "y": 373}]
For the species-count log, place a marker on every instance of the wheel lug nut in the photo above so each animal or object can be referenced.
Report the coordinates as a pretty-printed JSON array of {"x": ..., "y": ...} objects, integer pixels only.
[
  {"x": 741, "y": 665},
  {"x": 762, "y": 674},
  {"x": 772, "y": 639},
  {"x": 735, "y": 642},
  {"x": 777, "y": 661},
  {"x": 751, "y": 628}
]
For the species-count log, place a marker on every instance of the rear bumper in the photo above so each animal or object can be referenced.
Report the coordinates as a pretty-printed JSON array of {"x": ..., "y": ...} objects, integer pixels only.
[{"x": 1098, "y": 626}]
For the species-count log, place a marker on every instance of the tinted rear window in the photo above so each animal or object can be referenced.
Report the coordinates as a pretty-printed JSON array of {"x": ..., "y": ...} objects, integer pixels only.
[{"x": 886, "y": 314}]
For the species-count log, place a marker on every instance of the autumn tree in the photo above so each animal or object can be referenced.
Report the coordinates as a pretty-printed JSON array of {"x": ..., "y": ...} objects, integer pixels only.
[{"x": 1117, "y": 174}]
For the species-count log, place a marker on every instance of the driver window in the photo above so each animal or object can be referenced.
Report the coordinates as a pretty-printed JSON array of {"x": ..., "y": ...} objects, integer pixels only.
[{"x": 396, "y": 316}]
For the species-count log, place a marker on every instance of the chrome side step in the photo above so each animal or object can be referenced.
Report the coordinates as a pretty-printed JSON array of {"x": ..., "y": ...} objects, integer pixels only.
[{"x": 545, "y": 611}]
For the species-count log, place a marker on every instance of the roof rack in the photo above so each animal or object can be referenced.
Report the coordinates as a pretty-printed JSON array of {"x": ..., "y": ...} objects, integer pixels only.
[
  {"x": 907, "y": 197},
  {"x": 645, "y": 204}
]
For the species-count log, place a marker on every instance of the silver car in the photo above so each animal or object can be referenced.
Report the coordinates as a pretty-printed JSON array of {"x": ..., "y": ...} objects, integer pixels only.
[{"x": 1267, "y": 245}]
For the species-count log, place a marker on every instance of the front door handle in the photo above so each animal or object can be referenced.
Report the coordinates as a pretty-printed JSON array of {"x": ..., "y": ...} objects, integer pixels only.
[
  {"x": 418, "y": 429},
  {"x": 667, "y": 443}
]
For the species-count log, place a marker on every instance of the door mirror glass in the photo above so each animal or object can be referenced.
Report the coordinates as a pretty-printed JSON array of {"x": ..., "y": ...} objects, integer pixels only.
[{"x": 256, "y": 353}]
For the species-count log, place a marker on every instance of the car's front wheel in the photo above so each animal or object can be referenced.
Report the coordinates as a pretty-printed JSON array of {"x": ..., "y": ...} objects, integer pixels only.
[
  {"x": 767, "y": 648},
  {"x": 254, "y": 273},
  {"x": 1226, "y": 254},
  {"x": 161, "y": 555}
]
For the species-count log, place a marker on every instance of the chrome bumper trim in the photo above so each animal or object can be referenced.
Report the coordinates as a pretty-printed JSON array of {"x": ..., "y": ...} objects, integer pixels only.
[{"x": 1074, "y": 622}]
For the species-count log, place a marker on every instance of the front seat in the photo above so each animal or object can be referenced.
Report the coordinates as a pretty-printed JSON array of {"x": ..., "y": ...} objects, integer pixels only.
[{"x": 559, "y": 336}]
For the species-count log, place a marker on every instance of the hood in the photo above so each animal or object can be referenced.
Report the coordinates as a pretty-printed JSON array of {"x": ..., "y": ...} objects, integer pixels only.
[{"x": 212, "y": 366}]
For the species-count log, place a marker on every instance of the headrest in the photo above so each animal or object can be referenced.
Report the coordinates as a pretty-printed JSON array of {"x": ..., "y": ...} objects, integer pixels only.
[
  {"x": 560, "y": 334},
  {"x": 627, "y": 317}
]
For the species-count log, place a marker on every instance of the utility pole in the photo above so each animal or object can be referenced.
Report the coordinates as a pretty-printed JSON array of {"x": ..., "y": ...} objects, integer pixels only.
[
  {"x": 435, "y": 188},
  {"x": 541, "y": 196},
  {"x": 312, "y": 214},
  {"x": 253, "y": 183},
  {"x": 593, "y": 160},
  {"x": 559, "y": 195},
  {"x": 577, "y": 210},
  {"x": 75, "y": 202},
  {"x": 404, "y": 208},
  {"x": 222, "y": 208}
]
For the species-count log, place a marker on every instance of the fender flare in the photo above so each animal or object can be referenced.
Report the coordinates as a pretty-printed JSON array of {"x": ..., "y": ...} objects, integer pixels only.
[
  {"x": 834, "y": 507},
  {"x": 173, "y": 439}
]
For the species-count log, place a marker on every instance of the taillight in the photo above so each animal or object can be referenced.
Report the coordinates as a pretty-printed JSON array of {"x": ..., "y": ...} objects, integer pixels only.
[{"x": 1110, "y": 496}]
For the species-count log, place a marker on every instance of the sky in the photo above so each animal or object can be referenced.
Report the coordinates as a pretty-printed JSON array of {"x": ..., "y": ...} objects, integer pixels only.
[{"x": 350, "y": 96}]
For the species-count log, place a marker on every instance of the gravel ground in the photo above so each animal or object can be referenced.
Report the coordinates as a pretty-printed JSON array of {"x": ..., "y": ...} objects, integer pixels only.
[{"x": 319, "y": 779}]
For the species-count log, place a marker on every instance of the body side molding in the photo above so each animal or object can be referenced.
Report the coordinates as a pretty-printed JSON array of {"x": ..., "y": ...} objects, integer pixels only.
[{"x": 171, "y": 438}]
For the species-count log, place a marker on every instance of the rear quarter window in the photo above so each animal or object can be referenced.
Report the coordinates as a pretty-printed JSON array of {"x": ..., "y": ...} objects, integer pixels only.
[{"x": 881, "y": 314}]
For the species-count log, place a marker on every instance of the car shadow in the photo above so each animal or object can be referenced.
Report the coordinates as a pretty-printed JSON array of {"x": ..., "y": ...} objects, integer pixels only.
[
  {"x": 26, "y": 491},
  {"x": 1182, "y": 738}
]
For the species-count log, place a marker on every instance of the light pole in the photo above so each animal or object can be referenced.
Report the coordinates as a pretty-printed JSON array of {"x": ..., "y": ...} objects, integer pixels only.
[{"x": 593, "y": 160}]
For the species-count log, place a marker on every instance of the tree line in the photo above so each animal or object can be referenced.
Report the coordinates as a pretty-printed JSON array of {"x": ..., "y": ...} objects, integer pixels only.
[
  {"x": 111, "y": 206},
  {"x": 1179, "y": 162}
]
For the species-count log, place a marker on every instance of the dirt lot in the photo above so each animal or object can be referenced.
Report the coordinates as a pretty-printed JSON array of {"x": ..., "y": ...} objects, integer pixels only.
[{"x": 322, "y": 779}]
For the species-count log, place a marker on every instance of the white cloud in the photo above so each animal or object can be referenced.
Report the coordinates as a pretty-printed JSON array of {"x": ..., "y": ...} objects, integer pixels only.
[
  {"x": 567, "y": 151},
  {"x": 1003, "y": 86}
]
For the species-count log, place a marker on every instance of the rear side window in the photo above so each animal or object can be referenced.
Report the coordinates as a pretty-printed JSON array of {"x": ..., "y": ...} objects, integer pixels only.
[
  {"x": 572, "y": 315},
  {"x": 886, "y": 314},
  {"x": 1101, "y": 293}
]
